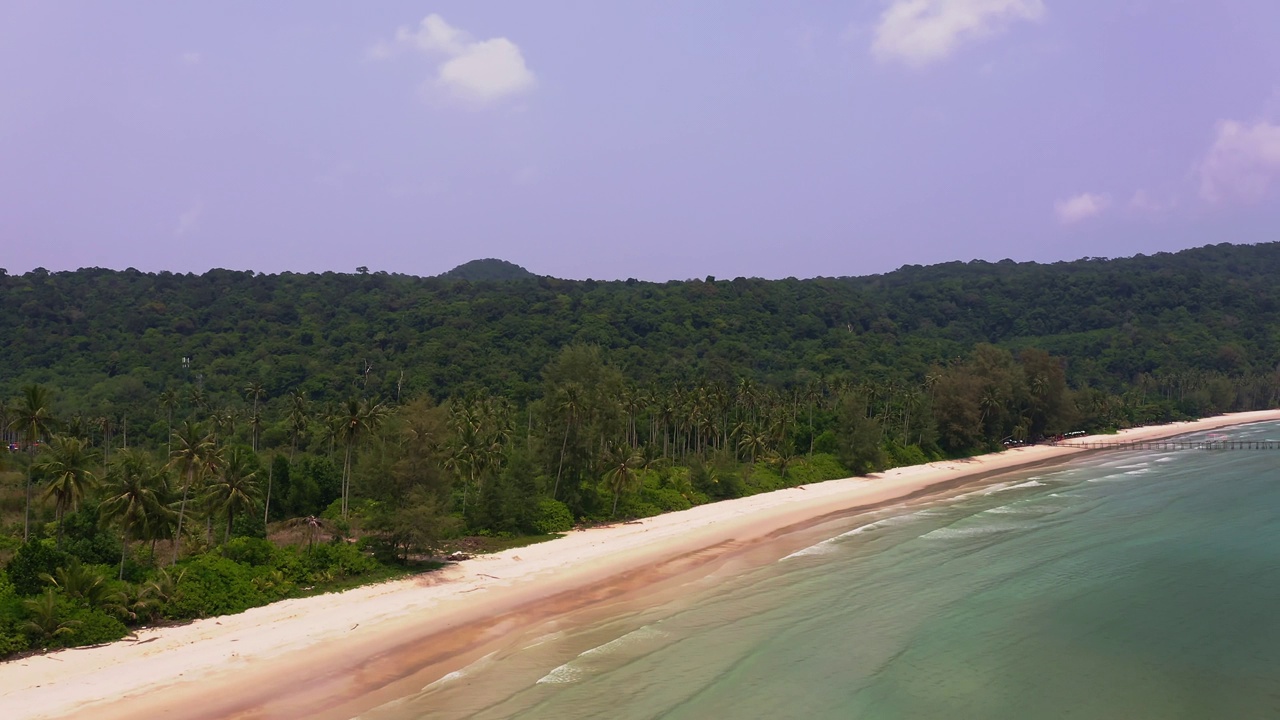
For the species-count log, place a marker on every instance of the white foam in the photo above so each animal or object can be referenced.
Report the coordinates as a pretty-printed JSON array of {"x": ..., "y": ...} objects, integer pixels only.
[
  {"x": 572, "y": 671},
  {"x": 644, "y": 633},
  {"x": 1130, "y": 467},
  {"x": 461, "y": 673},
  {"x": 827, "y": 546},
  {"x": 544, "y": 640},
  {"x": 951, "y": 533},
  {"x": 1140, "y": 471},
  {"x": 1164, "y": 459},
  {"x": 563, "y": 675}
]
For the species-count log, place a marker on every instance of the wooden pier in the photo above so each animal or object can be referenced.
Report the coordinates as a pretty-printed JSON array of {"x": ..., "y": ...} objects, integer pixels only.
[{"x": 1171, "y": 444}]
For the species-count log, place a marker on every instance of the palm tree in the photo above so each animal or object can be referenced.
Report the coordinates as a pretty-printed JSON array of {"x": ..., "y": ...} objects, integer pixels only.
[
  {"x": 33, "y": 420},
  {"x": 255, "y": 392},
  {"x": 196, "y": 396},
  {"x": 621, "y": 462},
  {"x": 79, "y": 582},
  {"x": 169, "y": 401},
  {"x": 43, "y": 618},
  {"x": 298, "y": 419},
  {"x": 571, "y": 406},
  {"x": 194, "y": 449},
  {"x": 66, "y": 463},
  {"x": 235, "y": 488},
  {"x": 135, "y": 499},
  {"x": 359, "y": 417}
]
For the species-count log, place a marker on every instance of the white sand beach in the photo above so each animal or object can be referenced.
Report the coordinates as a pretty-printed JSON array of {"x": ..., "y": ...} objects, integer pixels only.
[{"x": 331, "y": 655}]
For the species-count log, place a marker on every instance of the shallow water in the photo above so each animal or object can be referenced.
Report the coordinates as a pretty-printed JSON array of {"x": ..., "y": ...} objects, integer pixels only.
[{"x": 1125, "y": 585}]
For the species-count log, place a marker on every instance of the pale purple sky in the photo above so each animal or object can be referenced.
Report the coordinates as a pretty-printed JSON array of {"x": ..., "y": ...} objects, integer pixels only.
[{"x": 651, "y": 139}]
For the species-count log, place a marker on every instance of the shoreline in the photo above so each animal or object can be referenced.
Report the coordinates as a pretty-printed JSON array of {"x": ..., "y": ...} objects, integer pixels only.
[{"x": 338, "y": 654}]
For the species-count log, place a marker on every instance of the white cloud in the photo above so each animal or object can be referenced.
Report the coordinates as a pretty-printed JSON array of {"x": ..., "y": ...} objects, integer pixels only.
[
  {"x": 189, "y": 221},
  {"x": 918, "y": 32},
  {"x": 1081, "y": 207},
  {"x": 481, "y": 71},
  {"x": 1144, "y": 202},
  {"x": 191, "y": 58},
  {"x": 1242, "y": 162}
]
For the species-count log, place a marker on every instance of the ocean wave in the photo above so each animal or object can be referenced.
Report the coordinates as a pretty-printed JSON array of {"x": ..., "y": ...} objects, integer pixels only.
[
  {"x": 824, "y": 547},
  {"x": 460, "y": 673},
  {"x": 543, "y": 640},
  {"x": 1164, "y": 459},
  {"x": 572, "y": 671},
  {"x": 1131, "y": 467},
  {"x": 645, "y": 633},
  {"x": 952, "y": 533},
  {"x": 563, "y": 675},
  {"x": 1139, "y": 471}
]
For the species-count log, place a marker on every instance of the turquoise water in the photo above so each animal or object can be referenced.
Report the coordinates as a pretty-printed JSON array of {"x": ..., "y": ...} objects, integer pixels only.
[{"x": 1124, "y": 585}]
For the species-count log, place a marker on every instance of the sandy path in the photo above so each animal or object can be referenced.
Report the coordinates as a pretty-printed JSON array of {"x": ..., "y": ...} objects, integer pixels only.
[{"x": 327, "y": 649}]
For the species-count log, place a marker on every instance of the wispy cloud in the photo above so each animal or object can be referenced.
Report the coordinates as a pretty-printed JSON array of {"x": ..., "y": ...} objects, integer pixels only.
[
  {"x": 1080, "y": 207},
  {"x": 919, "y": 32},
  {"x": 1148, "y": 204},
  {"x": 191, "y": 58},
  {"x": 189, "y": 220},
  {"x": 1242, "y": 162},
  {"x": 479, "y": 71}
]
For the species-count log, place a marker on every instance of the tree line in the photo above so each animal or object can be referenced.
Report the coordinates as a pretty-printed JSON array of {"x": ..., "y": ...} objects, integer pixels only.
[{"x": 160, "y": 488}]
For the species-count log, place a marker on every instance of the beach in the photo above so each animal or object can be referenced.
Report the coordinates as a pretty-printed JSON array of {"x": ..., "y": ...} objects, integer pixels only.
[{"x": 337, "y": 655}]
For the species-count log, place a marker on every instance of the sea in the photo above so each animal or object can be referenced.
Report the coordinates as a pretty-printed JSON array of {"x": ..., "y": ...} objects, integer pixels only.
[{"x": 1129, "y": 584}]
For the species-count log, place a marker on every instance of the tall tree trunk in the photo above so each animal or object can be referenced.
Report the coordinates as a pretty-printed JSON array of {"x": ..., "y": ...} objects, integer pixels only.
[
  {"x": 266, "y": 511},
  {"x": 563, "y": 444},
  {"x": 182, "y": 513},
  {"x": 26, "y": 515}
]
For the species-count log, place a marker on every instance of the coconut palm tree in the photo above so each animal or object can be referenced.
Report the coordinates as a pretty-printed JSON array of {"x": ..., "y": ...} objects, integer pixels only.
[
  {"x": 66, "y": 463},
  {"x": 33, "y": 420},
  {"x": 255, "y": 392},
  {"x": 43, "y": 618},
  {"x": 298, "y": 419},
  {"x": 194, "y": 448},
  {"x": 168, "y": 402},
  {"x": 570, "y": 404},
  {"x": 621, "y": 462},
  {"x": 134, "y": 499},
  {"x": 235, "y": 488},
  {"x": 79, "y": 582},
  {"x": 359, "y": 417}
]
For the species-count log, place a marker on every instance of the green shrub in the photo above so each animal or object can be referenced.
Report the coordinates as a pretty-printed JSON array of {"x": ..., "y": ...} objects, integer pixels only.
[
  {"x": 665, "y": 499},
  {"x": 821, "y": 466},
  {"x": 249, "y": 550},
  {"x": 550, "y": 516},
  {"x": 33, "y": 560},
  {"x": 214, "y": 585},
  {"x": 92, "y": 626}
]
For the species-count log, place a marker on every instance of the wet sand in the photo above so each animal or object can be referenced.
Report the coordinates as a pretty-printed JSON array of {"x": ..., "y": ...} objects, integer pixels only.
[{"x": 334, "y": 656}]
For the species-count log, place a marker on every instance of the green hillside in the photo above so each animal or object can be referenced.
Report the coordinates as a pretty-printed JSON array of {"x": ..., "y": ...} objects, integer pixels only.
[{"x": 213, "y": 442}]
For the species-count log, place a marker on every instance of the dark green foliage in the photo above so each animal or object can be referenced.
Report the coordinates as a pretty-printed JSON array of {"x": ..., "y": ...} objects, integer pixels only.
[
  {"x": 506, "y": 405},
  {"x": 85, "y": 538},
  {"x": 249, "y": 551},
  {"x": 91, "y": 626},
  {"x": 213, "y": 585},
  {"x": 551, "y": 516},
  {"x": 488, "y": 269},
  {"x": 33, "y": 561}
]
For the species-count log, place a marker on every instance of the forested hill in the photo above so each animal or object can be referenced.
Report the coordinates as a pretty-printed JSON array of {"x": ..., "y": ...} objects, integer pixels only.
[
  {"x": 489, "y": 269},
  {"x": 109, "y": 341}
]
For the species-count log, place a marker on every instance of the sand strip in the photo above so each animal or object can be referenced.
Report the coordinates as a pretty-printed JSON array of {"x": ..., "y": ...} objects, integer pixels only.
[{"x": 316, "y": 656}]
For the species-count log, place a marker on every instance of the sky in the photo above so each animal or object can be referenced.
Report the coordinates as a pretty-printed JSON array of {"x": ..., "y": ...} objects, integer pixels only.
[{"x": 651, "y": 139}]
